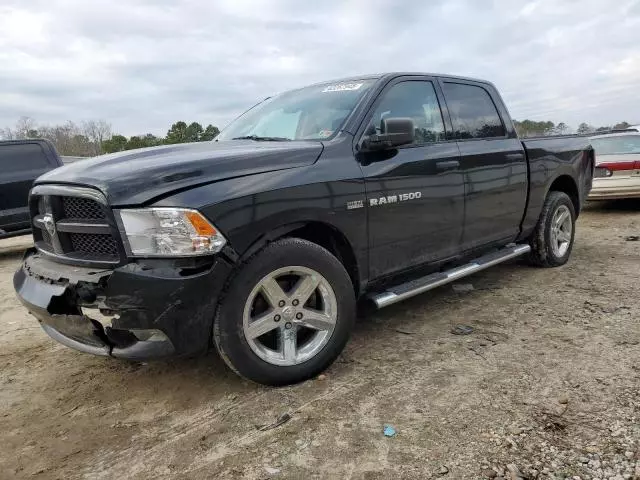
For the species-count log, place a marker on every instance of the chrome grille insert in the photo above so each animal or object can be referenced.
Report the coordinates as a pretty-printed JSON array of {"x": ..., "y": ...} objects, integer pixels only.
[{"x": 75, "y": 225}]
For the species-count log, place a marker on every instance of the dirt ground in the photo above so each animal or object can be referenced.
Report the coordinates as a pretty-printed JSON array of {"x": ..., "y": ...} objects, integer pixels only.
[{"x": 546, "y": 386}]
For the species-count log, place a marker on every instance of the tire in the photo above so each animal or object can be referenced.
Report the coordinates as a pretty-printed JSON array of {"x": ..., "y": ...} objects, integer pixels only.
[
  {"x": 265, "y": 336},
  {"x": 551, "y": 243}
]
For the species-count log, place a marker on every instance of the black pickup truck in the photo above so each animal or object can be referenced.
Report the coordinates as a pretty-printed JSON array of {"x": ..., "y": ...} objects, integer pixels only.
[
  {"x": 21, "y": 162},
  {"x": 261, "y": 241}
]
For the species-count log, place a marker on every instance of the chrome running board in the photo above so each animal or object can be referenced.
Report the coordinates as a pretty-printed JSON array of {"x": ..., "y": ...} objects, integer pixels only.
[{"x": 424, "y": 284}]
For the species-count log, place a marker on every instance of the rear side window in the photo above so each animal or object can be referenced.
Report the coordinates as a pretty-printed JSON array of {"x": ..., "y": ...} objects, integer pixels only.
[
  {"x": 22, "y": 158},
  {"x": 624, "y": 144},
  {"x": 473, "y": 113}
]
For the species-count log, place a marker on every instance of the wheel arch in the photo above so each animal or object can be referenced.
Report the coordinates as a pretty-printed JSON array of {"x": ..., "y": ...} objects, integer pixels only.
[
  {"x": 566, "y": 184},
  {"x": 320, "y": 233}
]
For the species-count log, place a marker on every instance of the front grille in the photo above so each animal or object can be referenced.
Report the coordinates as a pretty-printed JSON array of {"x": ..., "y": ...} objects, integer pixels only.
[
  {"x": 84, "y": 228},
  {"x": 82, "y": 208},
  {"x": 93, "y": 243}
]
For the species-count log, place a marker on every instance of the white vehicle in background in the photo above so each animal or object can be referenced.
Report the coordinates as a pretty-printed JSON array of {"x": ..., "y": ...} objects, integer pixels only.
[{"x": 617, "y": 172}]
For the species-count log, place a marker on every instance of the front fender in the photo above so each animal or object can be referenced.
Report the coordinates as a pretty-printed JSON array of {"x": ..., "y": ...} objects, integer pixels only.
[{"x": 249, "y": 208}]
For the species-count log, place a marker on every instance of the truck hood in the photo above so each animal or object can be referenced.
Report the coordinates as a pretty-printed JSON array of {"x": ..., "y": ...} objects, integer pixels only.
[{"x": 138, "y": 176}]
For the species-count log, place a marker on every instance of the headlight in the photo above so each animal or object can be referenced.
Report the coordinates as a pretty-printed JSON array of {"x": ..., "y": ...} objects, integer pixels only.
[{"x": 169, "y": 232}]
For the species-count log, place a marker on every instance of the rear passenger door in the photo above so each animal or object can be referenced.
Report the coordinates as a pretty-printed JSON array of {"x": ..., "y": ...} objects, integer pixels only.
[
  {"x": 20, "y": 164},
  {"x": 492, "y": 160}
]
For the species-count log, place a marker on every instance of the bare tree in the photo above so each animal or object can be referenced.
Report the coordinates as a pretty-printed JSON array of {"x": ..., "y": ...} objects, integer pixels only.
[
  {"x": 25, "y": 128},
  {"x": 7, "y": 134},
  {"x": 96, "y": 131},
  {"x": 584, "y": 128},
  {"x": 561, "y": 129},
  {"x": 68, "y": 139}
]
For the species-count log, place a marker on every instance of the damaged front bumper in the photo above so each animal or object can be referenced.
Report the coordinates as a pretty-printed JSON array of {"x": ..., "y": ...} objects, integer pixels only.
[{"x": 142, "y": 310}]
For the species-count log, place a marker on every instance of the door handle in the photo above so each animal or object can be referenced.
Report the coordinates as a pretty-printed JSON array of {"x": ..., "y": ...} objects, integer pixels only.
[
  {"x": 447, "y": 164},
  {"x": 515, "y": 156}
]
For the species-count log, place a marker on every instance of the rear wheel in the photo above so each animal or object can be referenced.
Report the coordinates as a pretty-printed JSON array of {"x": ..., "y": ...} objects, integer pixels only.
[
  {"x": 552, "y": 240},
  {"x": 286, "y": 315}
]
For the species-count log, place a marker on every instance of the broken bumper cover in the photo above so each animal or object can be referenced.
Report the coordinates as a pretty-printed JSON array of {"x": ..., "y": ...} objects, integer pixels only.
[{"x": 139, "y": 311}]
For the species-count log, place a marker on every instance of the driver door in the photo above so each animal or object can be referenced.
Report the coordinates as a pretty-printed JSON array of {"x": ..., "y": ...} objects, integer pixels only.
[{"x": 415, "y": 193}]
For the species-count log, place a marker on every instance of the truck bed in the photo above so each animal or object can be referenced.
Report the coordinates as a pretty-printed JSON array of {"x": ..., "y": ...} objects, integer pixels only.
[{"x": 556, "y": 159}]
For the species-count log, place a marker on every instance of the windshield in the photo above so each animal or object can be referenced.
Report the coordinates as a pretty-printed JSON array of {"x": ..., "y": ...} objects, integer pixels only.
[
  {"x": 310, "y": 113},
  {"x": 620, "y": 145}
]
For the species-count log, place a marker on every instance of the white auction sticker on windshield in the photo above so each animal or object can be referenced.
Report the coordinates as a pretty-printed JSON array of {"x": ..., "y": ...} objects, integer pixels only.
[{"x": 342, "y": 87}]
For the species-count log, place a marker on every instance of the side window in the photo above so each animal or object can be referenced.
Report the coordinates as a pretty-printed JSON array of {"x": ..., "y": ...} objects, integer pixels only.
[
  {"x": 618, "y": 145},
  {"x": 473, "y": 113},
  {"x": 22, "y": 157},
  {"x": 416, "y": 100}
]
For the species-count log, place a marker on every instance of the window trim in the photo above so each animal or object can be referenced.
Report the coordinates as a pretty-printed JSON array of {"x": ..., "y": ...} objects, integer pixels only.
[
  {"x": 506, "y": 135},
  {"x": 444, "y": 112}
]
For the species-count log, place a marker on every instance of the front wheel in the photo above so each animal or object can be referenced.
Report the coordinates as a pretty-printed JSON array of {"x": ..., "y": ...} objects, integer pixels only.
[
  {"x": 552, "y": 239},
  {"x": 286, "y": 315}
]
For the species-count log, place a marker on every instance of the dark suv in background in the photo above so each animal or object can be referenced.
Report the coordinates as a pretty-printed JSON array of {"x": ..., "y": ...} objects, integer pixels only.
[{"x": 21, "y": 162}]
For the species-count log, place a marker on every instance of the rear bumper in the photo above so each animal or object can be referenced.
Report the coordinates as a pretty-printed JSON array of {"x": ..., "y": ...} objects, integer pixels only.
[
  {"x": 615, "y": 188},
  {"x": 138, "y": 311}
]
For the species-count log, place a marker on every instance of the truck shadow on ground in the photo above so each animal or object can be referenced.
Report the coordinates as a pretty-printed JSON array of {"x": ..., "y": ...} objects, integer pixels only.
[
  {"x": 185, "y": 383},
  {"x": 627, "y": 205}
]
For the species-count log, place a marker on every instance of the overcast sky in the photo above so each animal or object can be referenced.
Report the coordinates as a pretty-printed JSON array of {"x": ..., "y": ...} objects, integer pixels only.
[{"x": 144, "y": 64}]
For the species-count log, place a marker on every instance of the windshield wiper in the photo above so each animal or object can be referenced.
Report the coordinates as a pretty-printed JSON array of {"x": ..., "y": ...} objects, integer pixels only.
[{"x": 258, "y": 138}]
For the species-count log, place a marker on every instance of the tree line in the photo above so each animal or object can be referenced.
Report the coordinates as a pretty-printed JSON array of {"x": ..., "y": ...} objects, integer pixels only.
[
  {"x": 179, "y": 132},
  {"x": 530, "y": 128},
  {"x": 95, "y": 137}
]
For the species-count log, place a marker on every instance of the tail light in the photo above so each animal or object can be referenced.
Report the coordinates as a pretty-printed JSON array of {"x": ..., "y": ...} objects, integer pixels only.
[
  {"x": 618, "y": 166},
  {"x": 601, "y": 172}
]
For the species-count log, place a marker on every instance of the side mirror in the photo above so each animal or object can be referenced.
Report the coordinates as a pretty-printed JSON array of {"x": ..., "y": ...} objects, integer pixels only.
[{"x": 394, "y": 132}]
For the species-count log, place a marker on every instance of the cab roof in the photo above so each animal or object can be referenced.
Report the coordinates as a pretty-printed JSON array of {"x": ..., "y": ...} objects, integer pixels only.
[{"x": 391, "y": 75}]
